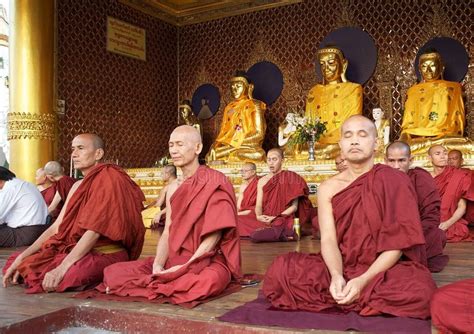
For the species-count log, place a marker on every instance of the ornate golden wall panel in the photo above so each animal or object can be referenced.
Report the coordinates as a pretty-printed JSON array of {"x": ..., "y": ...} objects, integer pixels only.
[
  {"x": 130, "y": 103},
  {"x": 292, "y": 34}
]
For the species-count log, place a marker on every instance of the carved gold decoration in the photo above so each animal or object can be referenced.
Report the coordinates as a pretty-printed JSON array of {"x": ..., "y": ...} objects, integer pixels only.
[
  {"x": 469, "y": 107},
  {"x": 182, "y": 13},
  {"x": 440, "y": 23},
  {"x": 31, "y": 126},
  {"x": 345, "y": 17}
]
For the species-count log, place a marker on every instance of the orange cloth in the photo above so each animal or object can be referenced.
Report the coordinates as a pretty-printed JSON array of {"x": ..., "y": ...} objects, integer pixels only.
[
  {"x": 334, "y": 103},
  {"x": 452, "y": 308},
  {"x": 107, "y": 202},
  {"x": 375, "y": 213},
  {"x": 203, "y": 204},
  {"x": 434, "y": 108},
  {"x": 454, "y": 184}
]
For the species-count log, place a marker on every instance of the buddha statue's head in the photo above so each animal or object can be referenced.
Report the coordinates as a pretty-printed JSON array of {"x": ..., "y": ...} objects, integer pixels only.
[
  {"x": 333, "y": 65},
  {"x": 240, "y": 86},
  {"x": 185, "y": 111},
  {"x": 431, "y": 66},
  {"x": 378, "y": 114}
]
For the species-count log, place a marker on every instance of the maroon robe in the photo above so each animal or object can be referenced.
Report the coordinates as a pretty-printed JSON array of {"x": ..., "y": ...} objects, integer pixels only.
[
  {"x": 107, "y": 202},
  {"x": 63, "y": 186},
  {"x": 454, "y": 184},
  {"x": 376, "y": 213},
  {"x": 203, "y": 204},
  {"x": 469, "y": 216},
  {"x": 278, "y": 194},
  {"x": 48, "y": 194},
  {"x": 429, "y": 203},
  {"x": 249, "y": 200},
  {"x": 452, "y": 307}
]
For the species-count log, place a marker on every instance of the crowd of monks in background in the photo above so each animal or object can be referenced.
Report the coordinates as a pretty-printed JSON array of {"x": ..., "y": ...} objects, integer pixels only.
[{"x": 382, "y": 229}]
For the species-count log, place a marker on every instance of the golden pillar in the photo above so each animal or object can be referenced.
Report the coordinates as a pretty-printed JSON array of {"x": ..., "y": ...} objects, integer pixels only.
[{"x": 32, "y": 119}]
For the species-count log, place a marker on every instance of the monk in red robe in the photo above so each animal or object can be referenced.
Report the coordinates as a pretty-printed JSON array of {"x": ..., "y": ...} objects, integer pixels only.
[
  {"x": 398, "y": 155},
  {"x": 198, "y": 254},
  {"x": 281, "y": 196},
  {"x": 456, "y": 189},
  {"x": 370, "y": 242},
  {"x": 247, "y": 198},
  {"x": 45, "y": 186},
  {"x": 63, "y": 184},
  {"x": 90, "y": 233},
  {"x": 455, "y": 159},
  {"x": 452, "y": 307}
]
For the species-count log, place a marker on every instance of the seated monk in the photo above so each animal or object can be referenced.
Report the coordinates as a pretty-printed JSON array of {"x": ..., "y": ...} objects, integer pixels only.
[
  {"x": 154, "y": 215},
  {"x": 456, "y": 189},
  {"x": 281, "y": 196},
  {"x": 456, "y": 160},
  {"x": 243, "y": 126},
  {"x": 334, "y": 100},
  {"x": 99, "y": 224},
  {"x": 248, "y": 190},
  {"x": 341, "y": 164},
  {"x": 198, "y": 254},
  {"x": 23, "y": 211},
  {"x": 370, "y": 242},
  {"x": 398, "y": 156},
  {"x": 63, "y": 184},
  {"x": 452, "y": 309},
  {"x": 45, "y": 186}
]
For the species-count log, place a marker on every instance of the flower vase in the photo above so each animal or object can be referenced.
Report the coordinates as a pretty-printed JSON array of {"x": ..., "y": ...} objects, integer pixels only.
[{"x": 311, "y": 148}]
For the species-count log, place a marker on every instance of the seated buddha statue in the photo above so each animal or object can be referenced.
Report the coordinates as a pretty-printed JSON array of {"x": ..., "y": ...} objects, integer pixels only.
[
  {"x": 383, "y": 129},
  {"x": 334, "y": 100},
  {"x": 243, "y": 126},
  {"x": 285, "y": 133},
  {"x": 187, "y": 117},
  {"x": 434, "y": 109}
]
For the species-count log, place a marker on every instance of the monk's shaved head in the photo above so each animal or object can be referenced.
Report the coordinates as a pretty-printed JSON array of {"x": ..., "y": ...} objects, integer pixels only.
[
  {"x": 435, "y": 148},
  {"x": 53, "y": 168},
  {"x": 278, "y": 151},
  {"x": 399, "y": 145},
  {"x": 95, "y": 139},
  {"x": 370, "y": 125},
  {"x": 190, "y": 133},
  {"x": 171, "y": 169},
  {"x": 250, "y": 165},
  {"x": 456, "y": 153},
  {"x": 455, "y": 158}
]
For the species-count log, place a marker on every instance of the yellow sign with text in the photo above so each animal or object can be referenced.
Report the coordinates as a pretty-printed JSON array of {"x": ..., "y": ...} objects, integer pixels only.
[{"x": 125, "y": 39}]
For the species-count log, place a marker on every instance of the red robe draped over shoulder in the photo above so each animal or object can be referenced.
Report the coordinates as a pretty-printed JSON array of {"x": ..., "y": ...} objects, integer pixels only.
[
  {"x": 249, "y": 199},
  {"x": 452, "y": 307},
  {"x": 63, "y": 186},
  {"x": 203, "y": 204},
  {"x": 107, "y": 202},
  {"x": 376, "y": 213},
  {"x": 278, "y": 194},
  {"x": 429, "y": 203},
  {"x": 48, "y": 194},
  {"x": 454, "y": 184}
]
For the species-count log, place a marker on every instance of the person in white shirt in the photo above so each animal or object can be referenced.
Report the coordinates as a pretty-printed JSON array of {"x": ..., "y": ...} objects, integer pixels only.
[{"x": 23, "y": 211}]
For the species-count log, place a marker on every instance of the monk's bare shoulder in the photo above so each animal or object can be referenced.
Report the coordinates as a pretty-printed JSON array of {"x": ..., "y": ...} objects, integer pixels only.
[
  {"x": 171, "y": 188},
  {"x": 333, "y": 185},
  {"x": 242, "y": 188},
  {"x": 263, "y": 180}
]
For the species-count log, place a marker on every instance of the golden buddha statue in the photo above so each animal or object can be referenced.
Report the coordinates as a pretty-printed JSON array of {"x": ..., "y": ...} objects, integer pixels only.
[
  {"x": 333, "y": 101},
  {"x": 285, "y": 133},
  {"x": 243, "y": 126},
  {"x": 434, "y": 109},
  {"x": 187, "y": 117},
  {"x": 383, "y": 129}
]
